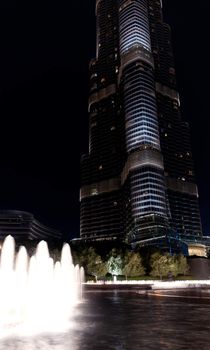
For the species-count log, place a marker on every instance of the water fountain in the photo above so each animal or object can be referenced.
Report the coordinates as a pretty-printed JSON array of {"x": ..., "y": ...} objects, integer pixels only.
[{"x": 36, "y": 293}]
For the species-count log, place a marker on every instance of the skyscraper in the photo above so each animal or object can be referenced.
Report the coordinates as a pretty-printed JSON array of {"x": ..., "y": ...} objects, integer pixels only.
[{"x": 137, "y": 180}]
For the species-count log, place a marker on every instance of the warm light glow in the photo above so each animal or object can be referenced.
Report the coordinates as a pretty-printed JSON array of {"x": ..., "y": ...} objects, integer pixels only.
[
  {"x": 160, "y": 284},
  {"x": 197, "y": 249},
  {"x": 37, "y": 294}
]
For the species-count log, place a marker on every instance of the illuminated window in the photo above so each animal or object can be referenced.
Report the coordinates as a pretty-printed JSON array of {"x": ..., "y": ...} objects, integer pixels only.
[
  {"x": 175, "y": 105},
  {"x": 94, "y": 191},
  {"x": 172, "y": 70},
  {"x": 93, "y": 124}
]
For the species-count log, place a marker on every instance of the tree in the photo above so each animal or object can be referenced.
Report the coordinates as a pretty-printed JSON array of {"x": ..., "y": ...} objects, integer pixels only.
[
  {"x": 133, "y": 265},
  {"x": 183, "y": 267},
  {"x": 172, "y": 265},
  {"x": 92, "y": 262},
  {"x": 114, "y": 265},
  {"x": 163, "y": 265},
  {"x": 95, "y": 266},
  {"x": 160, "y": 266}
]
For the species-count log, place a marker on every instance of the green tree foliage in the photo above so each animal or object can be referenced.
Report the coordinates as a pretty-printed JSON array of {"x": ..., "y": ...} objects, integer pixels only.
[
  {"x": 164, "y": 264},
  {"x": 172, "y": 265},
  {"x": 159, "y": 267},
  {"x": 118, "y": 260},
  {"x": 91, "y": 261},
  {"x": 114, "y": 265},
  {"x": 182, "y": 265},
  {"x": 95, "y": 266},
  {"x": 133, "y": 265}
]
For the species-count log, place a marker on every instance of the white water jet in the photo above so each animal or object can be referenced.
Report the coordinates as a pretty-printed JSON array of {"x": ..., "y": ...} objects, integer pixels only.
[{"x": 37, "y": 294}]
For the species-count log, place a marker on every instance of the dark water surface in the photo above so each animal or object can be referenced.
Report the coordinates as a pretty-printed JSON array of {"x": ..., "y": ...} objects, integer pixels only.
[{"x": 128, "y": 321}]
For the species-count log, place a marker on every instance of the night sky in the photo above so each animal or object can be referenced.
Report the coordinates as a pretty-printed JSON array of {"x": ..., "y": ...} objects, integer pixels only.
[{"x": 45, "y": 48}]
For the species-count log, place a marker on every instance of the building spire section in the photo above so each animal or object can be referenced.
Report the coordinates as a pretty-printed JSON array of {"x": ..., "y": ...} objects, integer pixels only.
[
  {"x": 134, "y": 25},
  {"x": 138, "y": 76},
  {"x": 137, "y": 180}
]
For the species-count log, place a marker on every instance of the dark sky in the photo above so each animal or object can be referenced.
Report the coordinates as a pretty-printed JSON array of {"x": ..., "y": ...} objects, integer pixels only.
[{"x": 45, "y": 48}]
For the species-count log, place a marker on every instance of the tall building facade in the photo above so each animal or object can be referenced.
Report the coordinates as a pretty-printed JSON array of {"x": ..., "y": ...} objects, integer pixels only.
[{"x": 137, "y": 180}]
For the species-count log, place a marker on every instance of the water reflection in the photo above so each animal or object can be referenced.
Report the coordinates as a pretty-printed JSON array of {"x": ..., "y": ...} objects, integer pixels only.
[{"x": 127, "y": 321}]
